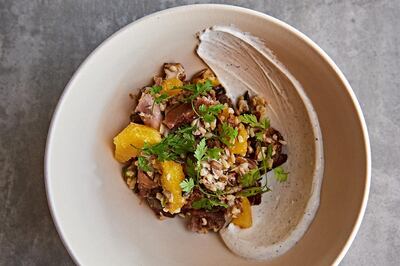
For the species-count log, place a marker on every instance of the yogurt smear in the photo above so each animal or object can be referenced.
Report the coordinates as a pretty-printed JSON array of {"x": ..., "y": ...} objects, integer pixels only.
[{"x": 243, "y": 62}]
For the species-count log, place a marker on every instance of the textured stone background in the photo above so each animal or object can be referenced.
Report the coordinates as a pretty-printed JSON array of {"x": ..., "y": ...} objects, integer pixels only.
[{"x": 43, "y": 42}]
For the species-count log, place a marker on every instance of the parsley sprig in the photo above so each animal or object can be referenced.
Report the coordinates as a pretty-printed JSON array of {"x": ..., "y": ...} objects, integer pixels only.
[
  {"x": 143, "y": 164},
  {"x": 159, "y": 97},
  {"x": 209, "y": 113},
  {"x": 252, "y": 121},
  {"x": 198, "y": 89},
  {"x": 227, "y": 134},
  {"x": 280, "y": 174},
  {"x": 187, "y": 185},
  {"x": 250, "y": 178},
  {"x": 171, "y": 147}
]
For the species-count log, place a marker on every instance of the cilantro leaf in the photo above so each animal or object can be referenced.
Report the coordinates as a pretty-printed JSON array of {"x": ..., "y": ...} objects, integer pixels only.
[
  {"x": 187, "y": 185},
  {"x": 143, "y": 164},
  {"x": 250, "y": 178},
  {"x": 280, "y": 174},
  {"x": 253, "y": 122},
  {"x": 227, "y": 134},
  {"x": 252, "y": 191},
  {"x": 214, "y": 153},
  {"x": 208, "y": 204}
]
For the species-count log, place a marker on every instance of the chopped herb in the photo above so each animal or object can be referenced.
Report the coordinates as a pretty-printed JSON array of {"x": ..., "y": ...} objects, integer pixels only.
[
  {"x": 171, "y": 147},
  {"x": 155, "y": 90},
  {"x": 143, "y": 164},
  {"x": 269, "y": 151},
  {"x": 190, "y": 169},
  {"x": 200, "y": 151},
  {"x": 260, "y": 136},
  {"x": 250, "y": 178},
  {"x": 252, "y": 191},
  {"x": 159, "y": 97},
  {"x": 267, "y": 161},
  {"x": 227, "y": 134},
  {"x": 280, "y": 174},
  {"x": 198, "y": 89},
  {"x": 252, "y": 121},
  {"x": 187, "y": 185},
  {"x": 209, "y": 113},
  {"x": 214, "y": 153},
  {"x": 208, "y": 204}
]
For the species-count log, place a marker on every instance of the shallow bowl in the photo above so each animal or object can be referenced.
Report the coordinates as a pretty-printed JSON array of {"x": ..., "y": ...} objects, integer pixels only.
[{"x": 101, "y": 222}]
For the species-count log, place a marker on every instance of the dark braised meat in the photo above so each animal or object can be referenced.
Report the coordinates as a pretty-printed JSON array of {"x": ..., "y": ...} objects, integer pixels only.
[
  {"x": 179, "y": 114},
  {"x": 201, "y": 220}
]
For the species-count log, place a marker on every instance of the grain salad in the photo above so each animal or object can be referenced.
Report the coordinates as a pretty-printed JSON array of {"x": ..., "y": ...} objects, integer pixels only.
[{"x": 190, "y": 151}]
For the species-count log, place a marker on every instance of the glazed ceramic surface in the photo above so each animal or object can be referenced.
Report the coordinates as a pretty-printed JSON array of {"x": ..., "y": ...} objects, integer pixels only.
[{"x": 103, "y": 223}]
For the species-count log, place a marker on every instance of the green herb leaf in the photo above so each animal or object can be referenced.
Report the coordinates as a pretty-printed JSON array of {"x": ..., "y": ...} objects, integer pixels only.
[
  {"x": 214, "y": 153},
  {"x": 253, "y": 122},
  {"x": 171, "y": 147},
  {"x": 198, "y": 89},
  {"x": 190, "y": 169},
  {"x": 260, "y": 136},
  {"x": 249, "y": 119},
  {"x": 143, "y": 164},
  {"x": 158, "y": 98},
  {"x": 269, "y": 151},
  {"x": 265, "y": 123},
  {"x": 280, "y": 174},
  {"x": 209, "y": 113},
  {"x": 208, "y": 204},
  {"x": 227, "y": 134},
  {"x": 200, "y": 151},
  {"x": 250, "y": 178},
  {"x": 155, "y": 89},
  {"x": 187, "y": 185},
  {"x": 252, "y": 191}
]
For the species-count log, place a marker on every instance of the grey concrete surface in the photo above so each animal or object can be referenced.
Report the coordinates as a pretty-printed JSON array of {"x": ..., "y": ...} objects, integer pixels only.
[{"x": 43, "y": 42}]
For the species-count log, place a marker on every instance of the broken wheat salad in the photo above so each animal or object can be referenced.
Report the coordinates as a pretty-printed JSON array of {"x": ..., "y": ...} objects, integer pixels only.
[{"x": 190, "y": 151}]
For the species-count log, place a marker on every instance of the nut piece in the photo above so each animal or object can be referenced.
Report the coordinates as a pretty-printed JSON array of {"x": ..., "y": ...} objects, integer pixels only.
[{"x": 174, "y": 70}]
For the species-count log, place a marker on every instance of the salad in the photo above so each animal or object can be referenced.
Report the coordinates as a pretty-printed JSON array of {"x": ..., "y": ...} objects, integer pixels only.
[{"x": 190, "y": 151}]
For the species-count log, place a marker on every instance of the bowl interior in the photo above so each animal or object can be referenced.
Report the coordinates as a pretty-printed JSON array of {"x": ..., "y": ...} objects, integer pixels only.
[{"x": 103, "y": 223}]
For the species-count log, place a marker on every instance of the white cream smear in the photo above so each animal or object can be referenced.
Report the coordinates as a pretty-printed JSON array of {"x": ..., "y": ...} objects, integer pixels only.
[{"x": 242, "y": 62}]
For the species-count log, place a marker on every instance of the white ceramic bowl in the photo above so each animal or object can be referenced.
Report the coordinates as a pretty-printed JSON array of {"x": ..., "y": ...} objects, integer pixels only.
[{"x": 102, "y": 222}]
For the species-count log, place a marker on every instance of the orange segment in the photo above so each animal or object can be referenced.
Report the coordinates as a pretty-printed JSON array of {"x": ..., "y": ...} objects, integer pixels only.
[
  {"x": 172, "y": 176},
  {"x": 134, "y": 135},
  {"x": 244, "y": 220},
  {"x": 169, "y": 86},
  {"x": 240, "y": 146}
]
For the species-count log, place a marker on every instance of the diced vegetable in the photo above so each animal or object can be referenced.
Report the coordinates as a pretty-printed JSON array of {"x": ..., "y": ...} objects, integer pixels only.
[
  {"x": 170, "y": 86},
  {"x": 172, "y": 176},
  {"x": 132, "y": 138},
  {"x": 240, "y": 146},
  {"x": 244, "y": 220}
]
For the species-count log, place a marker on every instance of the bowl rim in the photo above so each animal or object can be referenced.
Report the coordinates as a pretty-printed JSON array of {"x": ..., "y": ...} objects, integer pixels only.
[{"x": 222, "y": 7}]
